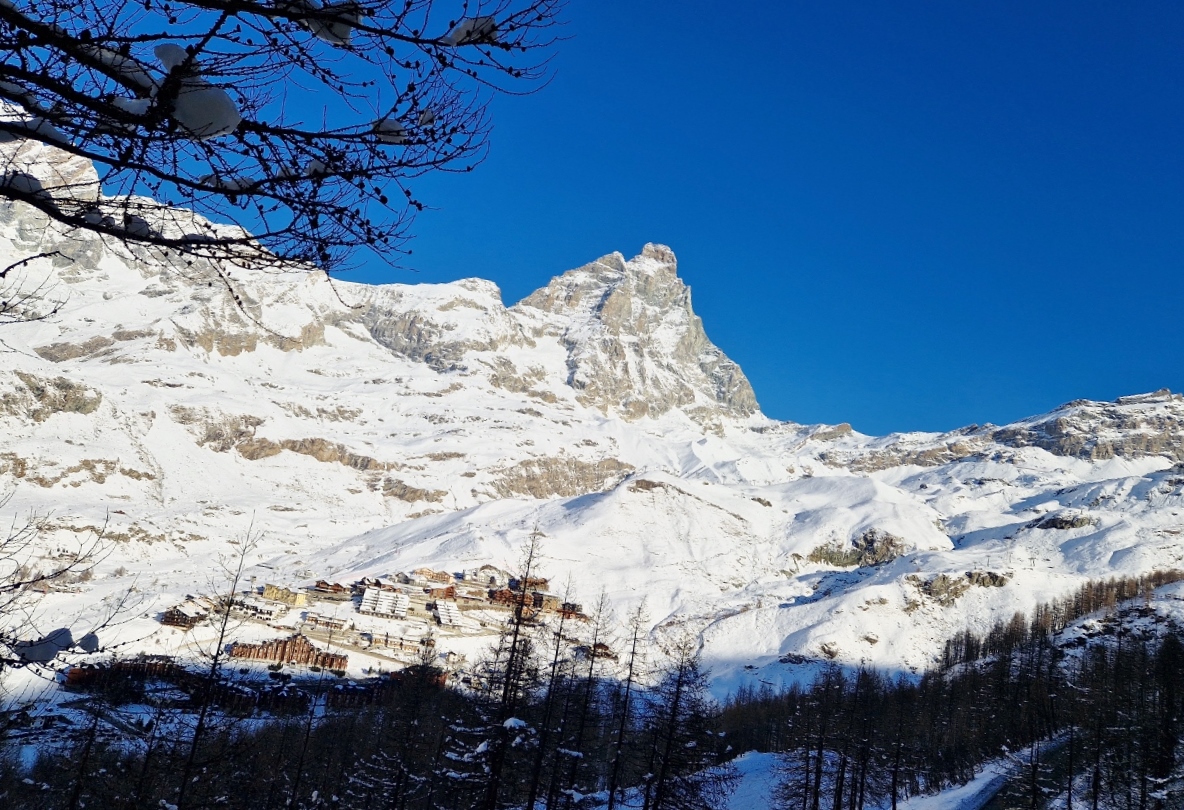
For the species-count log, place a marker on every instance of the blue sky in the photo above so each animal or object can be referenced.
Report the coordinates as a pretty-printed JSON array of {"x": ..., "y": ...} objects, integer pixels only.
[{"x": 900, "y": 214}]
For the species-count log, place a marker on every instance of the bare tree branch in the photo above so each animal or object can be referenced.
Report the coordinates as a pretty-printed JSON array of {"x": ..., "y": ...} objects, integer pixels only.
[{"x": 302, "y": 122}]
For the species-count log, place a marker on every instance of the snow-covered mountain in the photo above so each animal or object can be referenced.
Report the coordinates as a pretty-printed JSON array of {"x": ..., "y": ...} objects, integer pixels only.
[{"x": 366, "y": 430}]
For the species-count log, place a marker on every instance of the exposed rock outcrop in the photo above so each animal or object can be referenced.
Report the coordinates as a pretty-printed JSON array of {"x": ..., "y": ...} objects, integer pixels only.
[
  {"x": 325, "y": 451},
  {"x": 40, "y": 398},
  {"x": 1130, "y": 427},
  {"x": 872, "y": 547},
  {"x": 1064, "y": 522},
  {"x": 440, "y": 324},
  {"x": 219, "y": 431},
  {"x": 945, "y": 589},
  {"x": 59, "y": 174},
  {"x": 1142, "y": 425},
  {"x": 634, "y": 345},
  {"x": 559, "y": 476}
]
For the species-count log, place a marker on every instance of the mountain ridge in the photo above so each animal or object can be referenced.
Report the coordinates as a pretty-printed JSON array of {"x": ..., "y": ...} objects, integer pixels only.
[{"x": 365, "y": 429}]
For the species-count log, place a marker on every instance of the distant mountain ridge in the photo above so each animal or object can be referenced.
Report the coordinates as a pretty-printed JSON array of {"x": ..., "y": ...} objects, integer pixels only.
[{"x": 372, "y": 429}]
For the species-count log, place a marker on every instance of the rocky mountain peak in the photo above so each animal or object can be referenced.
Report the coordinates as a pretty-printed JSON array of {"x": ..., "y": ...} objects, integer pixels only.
[
  {"x": 607, "y": 288},
  {"x": 635, "y": 345}
]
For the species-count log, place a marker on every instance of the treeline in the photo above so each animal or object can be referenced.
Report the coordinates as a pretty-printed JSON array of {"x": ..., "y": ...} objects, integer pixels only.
[
  {"x": 1098, "y": 724},
  {"x": 563, "y": 714},
  {"x": 539, "y": 724},
  {"x": 1052, "y": 617}
]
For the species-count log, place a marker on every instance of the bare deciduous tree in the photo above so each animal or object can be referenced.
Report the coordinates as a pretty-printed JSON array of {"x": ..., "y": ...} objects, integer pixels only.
[
  {"x": 302, "y": 121},
  {"x": 26, "y": 570},
  {"x": 26, "y": 297}
]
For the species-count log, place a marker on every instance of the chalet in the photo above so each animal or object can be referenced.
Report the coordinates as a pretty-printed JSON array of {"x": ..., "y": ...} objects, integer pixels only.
[
  {"x": 446, "y": 592},
  {"x": 545, "y": 601},
  {"x": 470, "y": 598},
  {"x": 572, "y": 610},
  {"x": 84, "y": 675},
  {"x": 379, "y": 602},
  {"x": 289, "y": 597},
  {"x": 385, "y": 584},
  {"x": 504, "y": 596},
  {"x": 258, "y": 609},
  {"x": 401, "y": 642},
  {"x": 600, "y": 650},
  {"x": 190, "y": 613},
  {"x": 332, "y": 591},
  {"x": 143, "y": 667},
  {"x": 529, "y": 584},
  {"x": 488, "y": 575},
  {"x": 429, "y": 575},
  {"x": 295, "y": 649}
]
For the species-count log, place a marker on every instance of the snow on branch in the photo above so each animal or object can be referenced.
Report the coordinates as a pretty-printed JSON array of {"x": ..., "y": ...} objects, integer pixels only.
[{"x": 275, "y": 115}]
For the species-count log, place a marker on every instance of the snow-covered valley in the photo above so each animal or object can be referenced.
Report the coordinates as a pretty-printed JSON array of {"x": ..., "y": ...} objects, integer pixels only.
[{"x": 364, "y": 431}]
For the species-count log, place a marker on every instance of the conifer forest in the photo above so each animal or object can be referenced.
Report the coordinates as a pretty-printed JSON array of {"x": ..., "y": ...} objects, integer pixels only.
[{"x": 1084, "y": 700}]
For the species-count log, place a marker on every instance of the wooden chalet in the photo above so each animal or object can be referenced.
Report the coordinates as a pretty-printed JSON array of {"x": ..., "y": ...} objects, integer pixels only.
[
  {"x": 333, "y": 591},
  {"x": 572, "y": 610},
  {"x": 190, "y": 613},
  {"x": 529, "y": 584},
  {"x": 259, "y": 609},
  {"x": 428, "y": 574},
  {"x": 504, "y": 596},
  {"x": 545, "y": 601}
]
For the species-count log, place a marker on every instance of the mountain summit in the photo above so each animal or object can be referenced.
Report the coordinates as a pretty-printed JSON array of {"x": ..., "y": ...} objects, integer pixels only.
[{"x": 633, "y": 342}]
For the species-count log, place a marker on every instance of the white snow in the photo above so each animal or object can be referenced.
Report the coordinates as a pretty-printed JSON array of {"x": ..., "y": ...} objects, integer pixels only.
[
  {"x": 414, "y": 429},
  {"x": 337, "y": 30},
  {"x": 390, "y": 131},
  {"x": 758, "y": 778},
  {"x": 473, "y": 31},
  {"x": 203, "y": 110}
]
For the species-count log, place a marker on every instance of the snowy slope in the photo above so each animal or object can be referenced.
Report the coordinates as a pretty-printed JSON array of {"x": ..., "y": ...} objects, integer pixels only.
[{"x": 368, "y": 430}]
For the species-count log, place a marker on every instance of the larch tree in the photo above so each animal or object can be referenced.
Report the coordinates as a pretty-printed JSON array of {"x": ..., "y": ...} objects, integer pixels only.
[
  {"x": 685, "y": 769},
  {"x": 303, "y": 123}
]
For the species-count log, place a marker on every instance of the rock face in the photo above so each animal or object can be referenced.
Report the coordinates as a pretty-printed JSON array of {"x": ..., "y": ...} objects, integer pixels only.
[
  {"x": 440, "y": 324},
  {"x": 56, "y": 173},
  {"x": 634, "y": 345},
  {"x": 1131, "y": 427}
]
